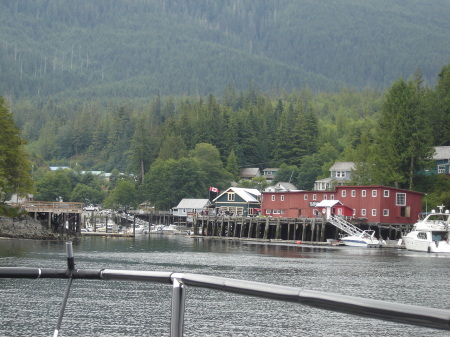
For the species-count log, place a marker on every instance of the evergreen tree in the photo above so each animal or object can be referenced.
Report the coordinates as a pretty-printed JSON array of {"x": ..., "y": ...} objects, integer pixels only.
[
  {"x": 441, "y": 108},
  {"x": 15, "y": 166},
  {"x": 404, "y": 136},
  {"x": 232, "y": 165}
]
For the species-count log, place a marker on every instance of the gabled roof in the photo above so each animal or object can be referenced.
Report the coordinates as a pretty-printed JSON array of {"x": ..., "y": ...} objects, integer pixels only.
[
  {"x": 284, "y": 186},
  {"x": 247, "y": 194},
  {"x": 343, "y": 166},
  {"x": 193, "y": 203},
  {"x": 442, "y": 152},
  {"x": 271, "y": 169},
  {"x": 325, "y": 180},
  {"x": 249, "y": 172}
]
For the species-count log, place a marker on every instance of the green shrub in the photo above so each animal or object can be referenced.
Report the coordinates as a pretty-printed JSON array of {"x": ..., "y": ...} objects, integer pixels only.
[{"x": 12, "y": 212}]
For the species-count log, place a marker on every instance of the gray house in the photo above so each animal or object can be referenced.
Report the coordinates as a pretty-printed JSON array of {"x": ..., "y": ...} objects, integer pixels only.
[
  {"x": 188, "y": 207},
  {"x": 340, "y": 174}
]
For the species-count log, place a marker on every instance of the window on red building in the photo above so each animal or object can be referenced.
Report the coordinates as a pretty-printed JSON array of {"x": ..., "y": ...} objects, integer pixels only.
[
  {"x": 273, "y": 198},
  {"x": 282, "y": 198},
  {"x": 374, "y": 193},
  {"x": 400, "y": 199},
  {"x": 363, "y": 212},
  {"x": 344, "y": 193},
  {"x": 386, "y": 193},
  {"x": 353, "y": 193},
  {"x": 385, "y": 212},
  {"x": 374, "y": 212},
  {"x": 363, "y": 193}
]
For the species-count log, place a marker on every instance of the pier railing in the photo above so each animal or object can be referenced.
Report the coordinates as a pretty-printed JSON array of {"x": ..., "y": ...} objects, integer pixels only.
[
  {"x": 46, "y": 206},
  {"x": 387, "y": 311}
]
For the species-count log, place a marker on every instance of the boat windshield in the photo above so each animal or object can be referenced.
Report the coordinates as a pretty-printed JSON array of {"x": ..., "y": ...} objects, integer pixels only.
[{"x": 438, "y": 217}]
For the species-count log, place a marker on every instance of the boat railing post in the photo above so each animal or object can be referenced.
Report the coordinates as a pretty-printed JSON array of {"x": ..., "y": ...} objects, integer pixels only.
[
  {"x": 178, "y": 304},
  {"x": 70, "y": 268}
]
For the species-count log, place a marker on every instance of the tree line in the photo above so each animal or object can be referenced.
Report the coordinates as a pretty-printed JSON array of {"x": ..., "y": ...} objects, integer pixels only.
[{"x": 176, "y": 147}]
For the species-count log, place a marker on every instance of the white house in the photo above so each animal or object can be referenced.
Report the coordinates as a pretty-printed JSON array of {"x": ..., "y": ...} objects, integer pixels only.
[{"x": 281, "y": 186}]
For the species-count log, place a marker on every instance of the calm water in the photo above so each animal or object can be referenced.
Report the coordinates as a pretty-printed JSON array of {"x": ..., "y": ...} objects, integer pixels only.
[{"x": 112, "y": 308}]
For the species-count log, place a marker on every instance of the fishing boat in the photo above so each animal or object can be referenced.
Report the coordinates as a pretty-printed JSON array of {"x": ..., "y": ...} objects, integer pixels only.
[
  {"x": 363, "y": 239},
  {"x": 431, "y": 233}
]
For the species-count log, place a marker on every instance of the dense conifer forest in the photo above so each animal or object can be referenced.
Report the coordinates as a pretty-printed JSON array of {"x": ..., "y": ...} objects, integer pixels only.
[{"x": 202, "y": 88}]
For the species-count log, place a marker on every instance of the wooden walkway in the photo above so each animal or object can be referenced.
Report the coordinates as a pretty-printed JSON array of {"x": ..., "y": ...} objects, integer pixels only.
[{"x": 52, "y": 207}]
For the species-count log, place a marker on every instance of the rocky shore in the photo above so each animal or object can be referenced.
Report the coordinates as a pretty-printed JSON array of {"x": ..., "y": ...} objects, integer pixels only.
[{"x": 27, "y": 228}]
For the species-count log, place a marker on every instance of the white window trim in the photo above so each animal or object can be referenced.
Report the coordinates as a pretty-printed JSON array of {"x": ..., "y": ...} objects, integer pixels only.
[
  {"x": 386, "y": 212},
  {"x": 363, "y": 193},
  {"x": 344, "y": 193},
  {"x": 374, "y": 212},
  {"x": 363, "y": 212},
  {"x": 353, "y": 193},
  {"x": 273, "y": 197},
  {"x": 386, "y": 193},
  {"x": 374, "y": 193}
]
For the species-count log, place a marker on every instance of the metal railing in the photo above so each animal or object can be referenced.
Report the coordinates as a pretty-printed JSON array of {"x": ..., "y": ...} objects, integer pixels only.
[
  {"x": 388, "y": 311},
  {"x": 344, "y": 225}
]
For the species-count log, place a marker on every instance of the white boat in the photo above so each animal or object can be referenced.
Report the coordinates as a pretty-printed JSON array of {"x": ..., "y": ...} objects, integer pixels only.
[
  {"x": 364, "y": 239},
  {"x": 430, "y": 234}
]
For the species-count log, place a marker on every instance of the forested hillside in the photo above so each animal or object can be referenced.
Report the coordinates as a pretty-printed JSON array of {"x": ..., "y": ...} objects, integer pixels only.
[
  {"x": 128, "y": 49},
  {"x": 183, "y": 93}
]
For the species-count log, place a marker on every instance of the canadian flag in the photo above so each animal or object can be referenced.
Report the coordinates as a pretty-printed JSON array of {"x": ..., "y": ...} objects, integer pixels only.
[{"x": 214, "y": 189}]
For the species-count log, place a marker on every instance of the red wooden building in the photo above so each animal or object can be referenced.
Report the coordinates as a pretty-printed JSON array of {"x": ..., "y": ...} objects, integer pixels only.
[{"x": 377, "y": 204}]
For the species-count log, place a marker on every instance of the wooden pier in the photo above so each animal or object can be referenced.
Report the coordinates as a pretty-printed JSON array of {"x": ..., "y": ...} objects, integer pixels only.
[
  {"x": 303, "y": 229},
  {"x": 59, "y": 216},
  {"x": 296, "y": 229}
]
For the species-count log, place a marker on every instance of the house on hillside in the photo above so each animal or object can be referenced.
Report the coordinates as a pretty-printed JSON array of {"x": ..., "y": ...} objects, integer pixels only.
[
  {"x": 249, "y": 173},
  {"x": 17, "y": 199},
  {"x": 375, "y": 204},
  {"x": 269, "y": 174},
  {"x": 281, "y": 186},
  {"x": 340, "y": 174},
  {"x": 442, "y": 159},
  {"x": 238, "y": 201}
]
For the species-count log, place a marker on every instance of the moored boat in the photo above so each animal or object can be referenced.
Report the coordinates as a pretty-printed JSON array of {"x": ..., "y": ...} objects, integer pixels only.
[
  {"x": 430, "y": 234},
  {"x": 364, "y": 239}
]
